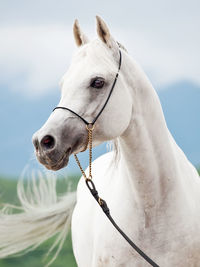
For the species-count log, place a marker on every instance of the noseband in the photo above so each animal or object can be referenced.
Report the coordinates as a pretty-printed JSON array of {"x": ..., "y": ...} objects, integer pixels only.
[{"x": 90, "y": 184}]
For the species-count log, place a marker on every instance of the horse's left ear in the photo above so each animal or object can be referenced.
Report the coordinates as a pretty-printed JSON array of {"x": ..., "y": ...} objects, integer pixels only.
[
  {"x": 104, "y": 33},
  {"x": 79, "y": 36}
]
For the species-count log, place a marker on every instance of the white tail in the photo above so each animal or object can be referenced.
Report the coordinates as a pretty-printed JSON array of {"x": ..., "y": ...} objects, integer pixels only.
[{"x": 41, "y": 215}]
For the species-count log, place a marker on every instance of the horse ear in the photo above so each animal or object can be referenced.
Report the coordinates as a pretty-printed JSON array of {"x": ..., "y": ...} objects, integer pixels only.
[
  {"x": 104, "y": 33},
  {"x": 79, "y": 36}
]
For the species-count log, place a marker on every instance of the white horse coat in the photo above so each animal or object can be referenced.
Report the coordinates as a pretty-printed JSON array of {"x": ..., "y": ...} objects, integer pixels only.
[{"x": 151, "y": 188}]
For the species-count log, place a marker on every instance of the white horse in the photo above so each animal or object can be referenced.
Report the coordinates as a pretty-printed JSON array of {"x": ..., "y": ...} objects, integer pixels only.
[{"x": 151, "y": 188}]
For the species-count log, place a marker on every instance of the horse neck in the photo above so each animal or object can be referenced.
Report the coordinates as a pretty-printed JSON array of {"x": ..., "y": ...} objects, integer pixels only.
[{"x": 147, "y": 149}]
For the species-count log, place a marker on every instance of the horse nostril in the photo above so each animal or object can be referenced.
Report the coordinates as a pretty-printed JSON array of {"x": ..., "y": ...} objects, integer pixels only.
[
  {"x": 48, "y": 142},
  {"x": 36, "y": 143}
]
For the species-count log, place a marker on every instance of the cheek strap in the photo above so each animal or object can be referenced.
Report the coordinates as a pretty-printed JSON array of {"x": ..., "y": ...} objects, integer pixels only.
[{"x": 103, "y": 107}]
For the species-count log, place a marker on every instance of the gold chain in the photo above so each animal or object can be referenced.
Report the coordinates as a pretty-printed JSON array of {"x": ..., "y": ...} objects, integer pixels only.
[{"x": 90, "y": 129}]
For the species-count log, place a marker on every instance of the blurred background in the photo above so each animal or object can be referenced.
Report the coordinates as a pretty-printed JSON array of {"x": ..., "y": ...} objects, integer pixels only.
[{"x": 36, "y": 48}]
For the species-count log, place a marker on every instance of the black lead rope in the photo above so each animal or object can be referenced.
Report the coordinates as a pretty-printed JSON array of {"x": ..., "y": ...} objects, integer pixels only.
[
  {"x": 102, "y": 203},
  {"x": 90, "y": 184}
]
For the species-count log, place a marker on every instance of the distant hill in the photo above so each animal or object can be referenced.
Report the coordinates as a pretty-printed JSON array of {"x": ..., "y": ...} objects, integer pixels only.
[{"x": 20, "y": 117}]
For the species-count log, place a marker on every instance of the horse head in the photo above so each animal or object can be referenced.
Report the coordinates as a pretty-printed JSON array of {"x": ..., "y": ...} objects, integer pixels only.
[{"x": 84, "y": 90}]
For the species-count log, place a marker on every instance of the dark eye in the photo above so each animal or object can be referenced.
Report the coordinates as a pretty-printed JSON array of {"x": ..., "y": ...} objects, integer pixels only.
[{"x": 98, "y": 83}]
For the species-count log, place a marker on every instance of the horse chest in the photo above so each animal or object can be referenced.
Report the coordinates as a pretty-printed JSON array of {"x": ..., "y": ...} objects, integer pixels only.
[
  {"x": 95, "y": 241},
  {"x": 170, "y": 242},
  {"x": 97, "y": 244}
]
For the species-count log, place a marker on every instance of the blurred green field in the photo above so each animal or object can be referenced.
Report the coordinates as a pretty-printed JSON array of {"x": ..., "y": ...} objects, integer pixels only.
[{"x": 37, "y": 258}]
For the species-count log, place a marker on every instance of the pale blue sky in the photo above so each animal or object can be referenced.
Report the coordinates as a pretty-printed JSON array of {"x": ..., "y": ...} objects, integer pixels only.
[
  {"x": 36, "y": 46},
  {"x": 37, "y": 42}
]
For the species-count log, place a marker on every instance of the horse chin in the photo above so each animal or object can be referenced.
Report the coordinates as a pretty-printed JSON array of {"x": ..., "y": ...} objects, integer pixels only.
[
  {"x": 53, "y": 165},
  {"x": 59, "y": 165}
]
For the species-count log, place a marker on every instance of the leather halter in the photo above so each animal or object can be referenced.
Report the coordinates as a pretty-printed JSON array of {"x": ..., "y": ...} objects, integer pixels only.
[{"x": 111, "y": 90}]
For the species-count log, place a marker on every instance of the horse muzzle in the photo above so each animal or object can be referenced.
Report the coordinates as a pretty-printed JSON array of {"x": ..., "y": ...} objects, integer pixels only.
[{"x": 53, "y": 150}]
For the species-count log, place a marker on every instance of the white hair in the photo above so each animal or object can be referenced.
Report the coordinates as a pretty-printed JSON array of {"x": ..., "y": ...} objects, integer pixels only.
[{"x": 42, "y": 214}]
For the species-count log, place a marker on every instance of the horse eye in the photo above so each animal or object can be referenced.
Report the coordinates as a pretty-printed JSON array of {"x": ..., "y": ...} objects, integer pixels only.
[{"x": 97, "y": 83}]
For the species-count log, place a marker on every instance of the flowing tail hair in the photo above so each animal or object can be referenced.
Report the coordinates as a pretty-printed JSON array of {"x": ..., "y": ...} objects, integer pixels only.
[{"x": 42, "y": 214}]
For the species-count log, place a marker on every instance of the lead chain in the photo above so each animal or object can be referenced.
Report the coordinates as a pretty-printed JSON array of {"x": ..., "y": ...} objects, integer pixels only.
[{"x": 90, "y": 129}]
